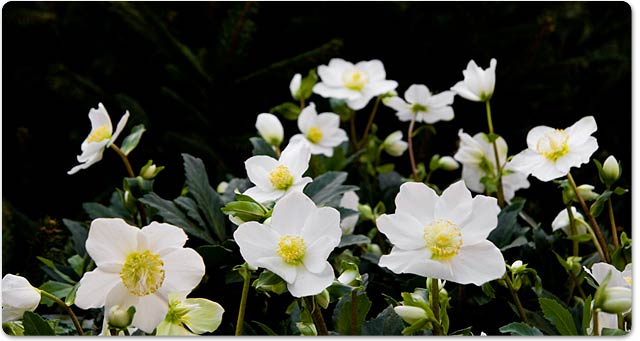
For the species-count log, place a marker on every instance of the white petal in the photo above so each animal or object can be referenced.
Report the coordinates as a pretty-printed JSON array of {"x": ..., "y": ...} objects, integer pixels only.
[
  {"x": 359, "y": 102},
  {"x": 270, "y": 128},
  {"x": 536, "y": 134},
  {"x": 377, "y": 88},
  {"x": 546, "y": 170},
  {"x": 328, "y": 121},
  {"x": 331, "y": 75},
  {"x": 206, "y": 318},
  {"x": 397, "y": 104},
  {"x": 119, "y": 295},
  {"x": 18, "y": 293},
  {"x": 291, "y": 212},
  {"x": 260, "y": 195},
  {"x": 294, "y": 86},
  {"x": 150, "y": 311},
  {"x": 184, "y": 269},
  {"x": 298, "y": 185},
  {"x": 121, "y": 124},
  {"x": 99, "y": 117},
  {"x": 526, "y": 161},
  {"x": 402, "y": 229},
  {"x": 442, "y": 99},
  {"x": 350, "y": 200},
  {"x": 600, "y": 270},
  {"x": 307, "y": 118},
  {"x": 334, "y": 139},
  {"x": 417, "y": 200},
  {"x": 584, "y": 151},
  {"x": 309, "y": 284},
  {"x": 478, "y": 263},
  {"x": 296, "y": 157},
  {"x": 258, "y": 168},
  {"x": 256, "y": 241},
  {"x": 462, "y": 90},
  {"x": 513, "y": 182},
  {"x": 416, "y": 262},
  {"x": 417, "y": 93},
  {"x": 317, "y": 252},
  {"x": 276, "y": 265},
  {"x": 93, "y": 159},
  {"x": 339, "y": 92},
  {"x": 374, "y": 69},
  {"x": 161, "y": 237},
  {"x": 319, "y": 149},
  {"x": 581, "y": 130},
  {"x": 483, "y": 219},
  {"x": 454, "y": 204},
  {"x": 473, "y": 77},
  {"x": 92, "y": 150},
  {"x": 471, "y": 174},
  {"x": 94, "y": 287},
  {"x": 321, "y": 222},
  {"x": 438, "y": 114},
  {"x": 110, "y": 240}
]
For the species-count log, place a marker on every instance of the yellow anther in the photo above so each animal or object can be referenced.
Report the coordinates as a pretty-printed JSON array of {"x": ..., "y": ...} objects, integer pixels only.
[
  {"x": 101, "y": 133},
  {"x": 628, "y": 280},
  {"x": 142, "y": 273},
  {"x": 314, "y": 135},
  {"x": 443, "y": 238},
  {"x": 281, "y": 177},
  {"x": 291, "y": 249},
  {"x": 355, "y": 79},
  {"x": 554, "y": 144}
]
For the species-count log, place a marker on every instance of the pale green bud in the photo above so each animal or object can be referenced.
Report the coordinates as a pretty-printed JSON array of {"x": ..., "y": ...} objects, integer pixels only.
[
  {"x": 448, "y": 163},
  {"x": 515, "y": 267},
  {"x": 394, "y": 145},
  {"x": 616, "y": 300},
  {"x": 119, "y": 317},
  {"x": 611, "y": 169},
  {"x": 323, "y": 299},
  {"x": 365, "y": 212},
  {"x": 374, "y": 249},
  {"x": 348, "y": 277},
  {"x": 410, "y": 314},
  {"x": 150, "y": 170},
  {"x": 222, "y": 187},
  {"x": 587, "y": 193}
]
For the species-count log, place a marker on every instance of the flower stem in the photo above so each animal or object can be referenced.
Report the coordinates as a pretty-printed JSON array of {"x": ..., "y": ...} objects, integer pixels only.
[
  {"x": 614, "y": 228},
  {"x": 435, "y": 305},
  {"x": 69, "y": 311},
  {"x": 516, "y": 299},
  {"x": 369, "y": 123},
  {"x": 316, "y": 315},
  {"x": 127, "y": 164},
  {"x": 301, "y": 103},
  {"x": 354, "y": 311},
  {"x": 603, "y": 244},
  {"x": 500, "y": 193},
  {"x": 596, "y": 324},
  {"x": 243, "y": 300},
  {"x": 595, "y": 243},
  {"x": 410, "y": 141},
  {"x": 574, "y": 230},
  {"x": 354, "y": 139}
]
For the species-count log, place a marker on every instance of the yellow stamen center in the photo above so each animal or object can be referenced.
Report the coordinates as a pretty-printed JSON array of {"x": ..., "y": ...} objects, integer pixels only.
[
  {"x": 314, "y": 135},
  {"x": 628, "y": 280},
  {"x": 142, "y": 273},
  {"x": 281, "y": 177},
  {"x": 99, "y": 134},
  {"x": 355, "y": 79},
  {"x": 443, "y": 238},
  {"x": 554, "y": 144},
  {"x": 291, "y": 249}
]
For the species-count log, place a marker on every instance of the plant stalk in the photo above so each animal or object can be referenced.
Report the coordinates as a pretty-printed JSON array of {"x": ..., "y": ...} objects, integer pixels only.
[
  {"x": 435, "y": 305},
  {"x": 516, "y": 299},
  {"x": 127, "y": 165},
  {"x": 410, "y": 141},
  {"x": 369, "y": 123},
  {"x": 500, "y": 193},
  {"x": 243, "y": 302},
  {"x": 614, "y": 227},
  {"x": 68, "y": 310},
  {"x": 316, "y": 315}
]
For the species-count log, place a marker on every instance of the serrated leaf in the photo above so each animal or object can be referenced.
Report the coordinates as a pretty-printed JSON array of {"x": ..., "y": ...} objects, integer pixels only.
[
  {"x": 188, "y": 205},
  {"x": 508, "y": 228},
  {"x": 78, "y": 235},
  {"x": 353, "y": 239},
  {"x": 327, "y": 186},
  {"x": 97, "y": 210},
  {"x": 342, "y": 314},
  {"x": 262, "y": 147},
  {"x": 520, "y": 329},
  {"x": 558, "y": 315},
  {"x": 131, "y": 142},
  {"x": 34, "y": 324}
]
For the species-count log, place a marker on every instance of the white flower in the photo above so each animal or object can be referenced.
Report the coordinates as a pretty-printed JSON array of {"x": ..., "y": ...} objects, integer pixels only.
[
  {"x": 478, "y": 160},
  {"x": 275, "y": 178},
  {"x": 349, "y": 200},
  {"x": 552, "y": 152},
  {"x": 478, "y": 84},
  {"x": 101, "y": 137},
  {"x": 270, "y": 128},
  {"x": 561, "y": 221},
  {"x": 190, "y": 316},
  {"x": 137, "y": 267},
  {"x": 295, "y": 245},
  {"x": 410, "y": 314},
  {"x": 18, "y": 296},
  {"x": 442, "y": 237},
  {"x": 357, "y": 84},
  {"x": 294, "y": 86},
  {"x": 420, "y": 103},
  {"x": 394, "y": 145},
  {"x": 321, "y": 132},
  {"x": 624, "y": 279}
]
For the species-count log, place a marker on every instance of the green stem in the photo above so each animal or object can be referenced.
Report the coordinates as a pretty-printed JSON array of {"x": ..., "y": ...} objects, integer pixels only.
[
  {"x": 243, "y": 302},
  {"x": 516, "y": 299},
  {"x": 614, "y": 227},
  {"x": 500, "y": 193},
  {"x": 354, "y": 138},
  {"x": 354, "y": 312},
  {"x": 595, "y": 243},
  {"x": 574, "y": 230},
  {"x": 316, "y": 315},
  {"x": 68, "y": 309},
  {"x": 127, "y": 165},
  {"x": 277, "y": 151},
  {"x": 301, "y": 103},
  {"x": 369, "y": 123},
  {"x": 596, "y": 324},
  {"x": 410, "y": 141},
  {"x": 435, "y": 305}
]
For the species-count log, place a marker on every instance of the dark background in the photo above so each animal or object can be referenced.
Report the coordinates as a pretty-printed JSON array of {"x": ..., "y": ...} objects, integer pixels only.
[{"x": 197, "y": 74}]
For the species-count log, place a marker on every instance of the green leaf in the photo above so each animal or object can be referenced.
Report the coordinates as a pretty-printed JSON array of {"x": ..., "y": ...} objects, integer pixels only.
[
  {"x": 338, "y": 290},
  {"x": 612, "y": 332},
  {"x": 288, "y": 110},
  {"x": 327, "y": 186},
  {"x": 508, "y": 228},
  {"x": 520, "y": 329},
  {"x": 51, "y": 265},
  {"x": 130, "y": 142},
  {"x": 558, "y": 315},
  {"x": 353, "y": 239},
  {"x": 386, "y": 323},
  {"x": 620, "y": 191},
  {"x": 586, "y": 315},
  {"x": 341, "y": 108},
  {"x": 268, "y": 282},
  {"x": 97, "y": 210},
  {"x": 342, "y": 313},
  {"x": 463, "y": 332},
  {"x": 417, "y": 326},
  {"x": 57, "y": 289},
  {"x": 188, "y": 205},
  {"x": 306, "y": 86},
  {"x": 262, "y": 147},
  {"x": 78, "y": 235},
  {"x": 265, "y": 328},
  {"x": 598, "y": 205},
  {"x": 77, "y": 264},
  {"x": 34, "y": 324},
  {"x": 215, "y": 255},
  {"x": 245, "y": 210},
  {"x": 138, "y": 186}
]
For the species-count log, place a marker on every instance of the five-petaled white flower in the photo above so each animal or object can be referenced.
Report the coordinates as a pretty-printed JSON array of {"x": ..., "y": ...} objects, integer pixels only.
[
  {"x": 101, "y": 137},
  {"x": 350, "y": 201},
  {"x": 18, "y": 296},
  {"x": 295, "y": 244},
  {"x": 552, "y": 152},
  {"x": 137, "y": 267},
  {"x": 619, "y": 279},
  {"x": 320, "y": 132},
  {"x": 442, "y": 237},
  {"x": 394, "y": 145},
  {"x": 275, "y": 178},
  {"x": 562, "y": 221},
  {"x": 270, "y": 128},
  {"x": 478, "y": 160},
  {"x": 357, "y": 84},
  {"x": 422, "y": 105},
  {"x": 190, "y": 316},
  {"x": 478, "y": 84}
]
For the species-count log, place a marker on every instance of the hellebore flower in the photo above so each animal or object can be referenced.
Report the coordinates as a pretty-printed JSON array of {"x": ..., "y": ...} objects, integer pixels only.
[
  {"x": 420, "y": 103},
  {"x": 270, "y": 129},
  {"x": 320, "y": 132},
  {"x": 478, "y": 84},
  {"x": 18, "y": 296}
]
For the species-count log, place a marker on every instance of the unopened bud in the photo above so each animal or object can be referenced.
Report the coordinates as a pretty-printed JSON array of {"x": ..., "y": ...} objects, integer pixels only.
[
  {"x": 119, "y": 317},
  {"x": 270, "y": 128},
  {"x": 611, "y": 170},
  {"x": 294, "y": 86},
  {"x": 365, "y": 212},
  {"x": 515, "y": 267},
  {"x": 410, "y": 314},
  {"x": 374, "y": 249},
  {"x": 323, "y": 299},
  {"x": 222, "y": 187},
  {"x": 448, "y": 163},
  {"x": 394, "y": 145},
  {"x": 587, "y": 193},
  {"x": 348, "y": 277},
  {"x": 616, "y": 300},
  {"x": 150, "y": 170}
]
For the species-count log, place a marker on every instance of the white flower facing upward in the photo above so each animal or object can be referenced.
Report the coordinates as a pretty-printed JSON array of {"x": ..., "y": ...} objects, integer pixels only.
[
  {"x": 619, "y": 279},
  {"x": 394, "y": 145},
  {"x": 552, "y": 152},
  {"x": 562, "y": 221},
  {"x": 478, "y": 84},
  {"x": 442, "y": 237},
  {"x": 270, "y": 129},
  {"x": 294, "y": 86},
  {"x": 478, "y": 160},
  {"x": 357, "y": 84},
  {"x": 100, "y": 137},
  {"x": 295, "y": 245},
  {"x": 320, "y": 132},
  {"x": 18, "y": 296},
  {"x": 275, "y": 178},
  {"x": 422, "y": 105},
  {"x": 349, "y": 200},
  {"x": 137, "y": 267}
]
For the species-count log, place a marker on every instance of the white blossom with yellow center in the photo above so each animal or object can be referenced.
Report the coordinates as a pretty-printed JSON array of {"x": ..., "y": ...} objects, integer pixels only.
[
  {"x": 321, "y": 133},
  {"x": 275, "y": 178},
  {"x": 190, "y": 316},
  {"x": 137, "y": 267},
  {"x": 356, "y": 84},
  {"x": 420, "y": 104},
  {"x": 552, "y": 152},
  {"x": 442, "y": 237},
  {"x": 599, "y": 272},
  {"x": 100, "y": 137},
  {"x": 294, "y": 244}
]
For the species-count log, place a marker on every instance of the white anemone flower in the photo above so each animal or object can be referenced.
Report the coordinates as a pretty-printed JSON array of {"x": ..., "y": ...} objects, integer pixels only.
[
  {"x": 270, "y": 128},
  {"x": 295, "y": 245},
  {"x": 478, "y": 160},
  {"x": 562, "y": 221},
  {"x": 356, "y": 84},
  {"x": 422, "y": 105},
  {"x": 100, "y": 137},
  {"x": 190, "y": 316},
  {"x": 320, "y": 132},
  {"x": 478, "y": 84},
  {"x": 275, "y": 178},
  {"x": 442, "y": 237},
  {"x": 294, "y": 86},
  {"x": 137, "y": 267},
  {"x": 623, "y": 279},
  {"x": 18, "y": 296},
  {"x": 394, "y": 145},
  {"x": 349, "y": 200},
  {"x": 552, "y": 152}
]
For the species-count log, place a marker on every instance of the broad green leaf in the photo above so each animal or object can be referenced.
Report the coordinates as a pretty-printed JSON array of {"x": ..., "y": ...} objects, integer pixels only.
[
  {"x": 342, "y": 314},
  {"x": 215, "y": 256},
  {"x": 508, "y": 228},
  {"x": 353, "y": 239},
  {"x": 262, "y": 147},
  {"x": 612, "y": 332},
  {"x": 386, "y": 323},
  {"x": 417, "y": 326},
  {"x": 131, "y": 142},
  {"x": 138, "y": 186},
  {"x": 77, "y": 264},
  {"x": 328, "y": 185},
  {"x": 586, "y": 315},
  {"x": 187, "y": 204},
  {"x": 57, "y": 289},
  {"x": 558, "y": 315},
  {"x": 265, "y": 328},
  {"x": 268, "y": 282},
  {"x": 34, "y": 324},
  {"x": 598, "y": 205},
  {"x": 306, "y": 86},
  {"x": 245, "y": 210},
  {"x": 52, "y": 266},
  {"x": 78, "y": 235},
  {"x": 338, "y": 290},
  {"x": 288, "y": 110},
  {"x": 97, "y": 210},
  {"x": 520, "y": 329}
]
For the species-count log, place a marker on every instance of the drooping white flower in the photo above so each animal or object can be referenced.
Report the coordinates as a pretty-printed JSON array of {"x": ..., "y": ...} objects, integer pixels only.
[
  {"x": 100, "y": 137},
  {"x": 419, "y": 102},
  {"x": 275, "y": 178},
  {"x": 552, "y": 152},
  {"x": 562, "y": 221},
  {"x": 394, "y": 145},
  {"x": 349, "y": 200},
  {"x": 190, "y": 316},
  {"x": 478, "y": 84},
  {"x": 137, "y": 267},
  {"x": 294, "y": 86},
  {"x": 18, "y": 296},
  {"x": 442, "y": 237},
  {"x": 270, "y": 128},
  {"x": 320, "y": 132},
  {"x": 478, "y": 160},
  {"x": 621, "y": 279},
  {"x": 357, "y": 84},
  {"x": 295, "y": 245}
]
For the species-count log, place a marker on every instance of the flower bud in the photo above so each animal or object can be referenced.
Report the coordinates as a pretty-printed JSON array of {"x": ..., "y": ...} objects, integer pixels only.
[
  {"x": 222, "y": 187},
  {"x": 574, "y": 263},
  {"x": 119, "y": 317},
  {"x": 410, "y": 314},
  {"x": 323, "y": 299},
  {"x": 394, "y": 145},
  {"x": 348, "y": 277},
  {"x": 587, "y": 193},
  {"x": 516, "y": 266},
  {"x": 294, "y": 86},
  {"x": 270, "y": 128},
  {"x": 150, "y": 170},
  {"x": 616, "y": 300},
  {"x": 374, "y": 249},
  {"x": 611, "y": 170},
  {"x": 365, "y": 212},
  {"x": 448, "y": 163}
]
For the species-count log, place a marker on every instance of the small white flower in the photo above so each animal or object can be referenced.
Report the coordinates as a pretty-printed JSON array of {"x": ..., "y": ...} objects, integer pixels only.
[
  {"x": 357, "y": 84},
  {"x": 137, "y": 267},
  {"x": 561, "y": 221},
  {"x": 190, "y": 316},
  {"x": 101, "y": 137},
  {"x": 394, "y": 145},
  {"x": 516, "y": 265},
  {"x": 552, "y": 152},
  {"x": 611, "y": 169},
  {"x": 294, "y": 86},
  {"x": 295, "y": 245},
  {"x": 275, "y": 178},
  {"x": 442, "y": 237},
  {"x": 410, "y": 314},
  {"x": 270, "y": 128},
  {"x": 623, "y": 279},
  {"x": 349, "y": 200},
  {"x": 478, "y": 84},
  {"x": 18, "y": 296},
  {"x": 320, "y": 132},
  {"x": 448, "y": 163},
  {"x": 422, "y": 105},
  {"x": 478, "y": 160}
]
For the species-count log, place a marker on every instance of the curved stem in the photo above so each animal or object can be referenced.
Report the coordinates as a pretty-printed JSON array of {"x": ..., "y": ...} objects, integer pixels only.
[
  {"x": 595, "y": 243},
  {"x": 68, "y": 309},
  {"x": 516, "y": 299},
  {"x": 316, "y": 315},
  {"x": 574, "y": 230},
  {"x": 369, "y": 123},
  {"x": 435, "y": 305},
  {"x": 500, "y": 192},
  {"x": 243, "y": 302},
  {"x": 410, "y": 141},
  {"x": 127, "y": 165}
]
